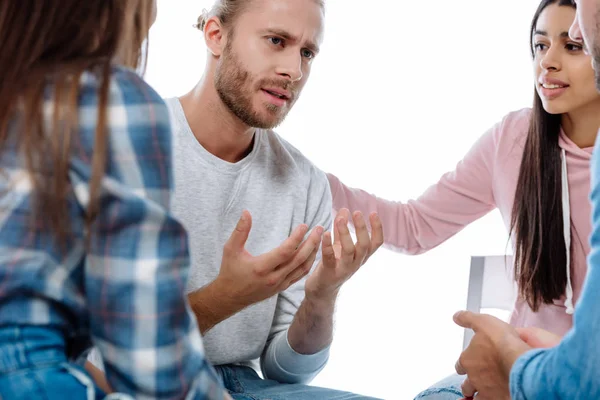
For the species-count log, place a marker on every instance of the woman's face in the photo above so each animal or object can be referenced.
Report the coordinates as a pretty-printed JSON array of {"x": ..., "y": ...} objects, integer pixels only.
[{"x": 564, "y": 76}]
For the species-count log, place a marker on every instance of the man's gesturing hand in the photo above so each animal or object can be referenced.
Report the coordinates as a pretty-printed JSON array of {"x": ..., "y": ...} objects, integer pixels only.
[{"x": 250, "y": 279}]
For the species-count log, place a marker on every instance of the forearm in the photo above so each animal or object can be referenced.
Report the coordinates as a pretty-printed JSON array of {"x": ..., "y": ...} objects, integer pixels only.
[
  {"x": 533, "y": 376},
  {"x": 567, "y": 371},
  {"x": 312, "y": 328},
  {"x": 299, "y": 353},
  {"x": 211, "y": 305}
]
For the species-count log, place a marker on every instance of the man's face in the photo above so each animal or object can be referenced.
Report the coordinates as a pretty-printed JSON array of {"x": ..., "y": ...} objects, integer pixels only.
[
  {"x": 587, "y": 27},
  {"x": 267, "y": 59}
]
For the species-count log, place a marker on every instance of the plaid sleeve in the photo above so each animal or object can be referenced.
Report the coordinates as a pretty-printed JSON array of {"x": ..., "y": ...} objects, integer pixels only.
[{"x": 137, "y": 263}]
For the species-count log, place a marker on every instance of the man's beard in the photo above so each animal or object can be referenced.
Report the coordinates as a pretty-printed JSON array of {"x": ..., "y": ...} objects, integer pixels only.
[{"x": 231, "y": 79}]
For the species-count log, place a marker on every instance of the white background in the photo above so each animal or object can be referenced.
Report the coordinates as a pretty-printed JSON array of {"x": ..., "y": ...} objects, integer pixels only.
[{"x": 399, "y": 93}]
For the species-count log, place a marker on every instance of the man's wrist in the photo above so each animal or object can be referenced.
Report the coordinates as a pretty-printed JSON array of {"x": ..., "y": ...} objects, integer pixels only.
[
  {"x": 225, "y": 298},
  {"x": 322, "y": 299},
  {"x": 213, "y": 304},
  {"x": 510, "y": 357}
]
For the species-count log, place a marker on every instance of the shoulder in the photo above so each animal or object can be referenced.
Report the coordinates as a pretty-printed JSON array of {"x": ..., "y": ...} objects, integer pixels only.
[
  {"x": 137, "y": 124},
  {"x": 514, "y": 124},
  {"x": 507, "y": 136},
  {"x": 130, "y": 99},
  {"x": 286, "y": 154},
  {"x": 132, "y": 107}
]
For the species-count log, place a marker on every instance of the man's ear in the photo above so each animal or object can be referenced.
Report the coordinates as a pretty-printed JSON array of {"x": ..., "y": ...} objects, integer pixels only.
[{"x": 215, "y": 36}]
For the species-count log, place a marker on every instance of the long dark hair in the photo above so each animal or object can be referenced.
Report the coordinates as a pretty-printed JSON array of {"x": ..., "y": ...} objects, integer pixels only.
[
  {"x": 537, "y": 217},
  {"x": 51, "y": 42}
]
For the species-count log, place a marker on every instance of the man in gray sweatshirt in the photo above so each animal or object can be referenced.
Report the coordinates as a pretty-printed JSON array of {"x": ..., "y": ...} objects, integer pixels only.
[{"x": 256, "y": 209}]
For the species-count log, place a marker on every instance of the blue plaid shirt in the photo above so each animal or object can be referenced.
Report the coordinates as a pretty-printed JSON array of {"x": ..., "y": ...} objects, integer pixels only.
[{"x": 125, "y": 293}]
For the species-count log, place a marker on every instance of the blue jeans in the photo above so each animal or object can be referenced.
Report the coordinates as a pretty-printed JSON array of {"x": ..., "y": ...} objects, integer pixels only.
[
  {"x": 447, "y": 389},
  {"x": 33, "y": 365},
  {"x": 243, "y": 383}
]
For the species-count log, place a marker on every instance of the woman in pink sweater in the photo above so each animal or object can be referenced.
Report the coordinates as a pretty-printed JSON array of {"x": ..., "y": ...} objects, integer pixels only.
[{"x": 533, "y": 166}]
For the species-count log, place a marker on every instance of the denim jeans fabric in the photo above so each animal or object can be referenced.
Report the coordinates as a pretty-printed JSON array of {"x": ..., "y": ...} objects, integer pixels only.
[
  {"x": 243, "y": 383},
  {"x": 448, "y": 388},
  {"x": 33, "y": 366}
]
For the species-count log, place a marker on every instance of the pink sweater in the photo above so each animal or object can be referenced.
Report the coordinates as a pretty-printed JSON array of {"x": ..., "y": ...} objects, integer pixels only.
[{"x": 486, "y": 178}]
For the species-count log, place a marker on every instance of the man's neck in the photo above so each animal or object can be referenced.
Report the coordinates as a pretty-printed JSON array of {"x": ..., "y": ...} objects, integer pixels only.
[
  {"x": 215, "y": 127},
  {"x": 581, "y": 126}
]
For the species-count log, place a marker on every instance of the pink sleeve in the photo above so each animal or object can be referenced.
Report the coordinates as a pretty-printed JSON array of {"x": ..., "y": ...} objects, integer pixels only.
[{"x": 459, "y": 198}]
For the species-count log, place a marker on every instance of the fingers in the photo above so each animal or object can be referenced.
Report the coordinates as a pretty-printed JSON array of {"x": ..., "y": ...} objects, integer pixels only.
[
  {"x": 538, "y": 338},
  {"x": 305, "y": 254},
  {"x": 342, "y": 214},
  {"x": 287, "y": 249},
  {"x": 486, "y": 324},
  {"x": 327, "y": 251},
  {"x": 376, "y": 233},
  {"x": 468, "y": 389},
  {"x": 345, "y": 239},
  {"x": 363, "y": 240},
  {"x": 366, "y": 244},
  {"x": 466, "y": 319},
  {"x": 459, "y": 367},
  {"x": 476, "y": 322},
  {"x": 239, "y": 236},
  {"x": 301, "y": 271}
]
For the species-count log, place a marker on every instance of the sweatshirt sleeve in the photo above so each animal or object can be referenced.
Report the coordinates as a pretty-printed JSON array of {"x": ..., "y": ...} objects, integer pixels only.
[{"x": 457, "y": 199}]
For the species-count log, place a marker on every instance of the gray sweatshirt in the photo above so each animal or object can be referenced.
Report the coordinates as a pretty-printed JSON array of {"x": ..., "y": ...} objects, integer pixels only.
[{"x": 281, "y": 189}]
